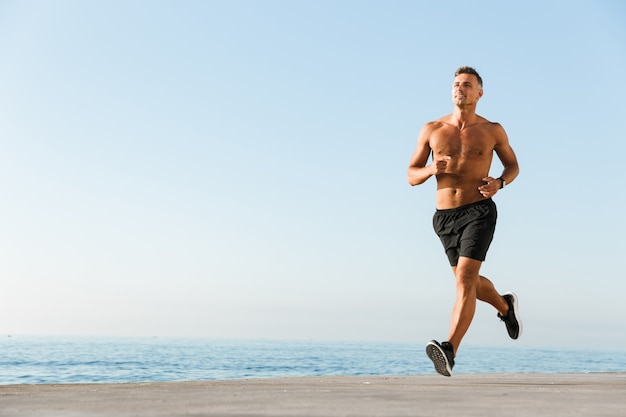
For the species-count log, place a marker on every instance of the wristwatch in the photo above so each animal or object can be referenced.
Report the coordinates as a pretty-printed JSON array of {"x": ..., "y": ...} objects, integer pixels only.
[{"x": 502, "y": 181}]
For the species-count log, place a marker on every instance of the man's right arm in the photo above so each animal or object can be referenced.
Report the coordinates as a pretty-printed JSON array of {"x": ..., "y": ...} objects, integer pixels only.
[{"x": 418, "y": 172}]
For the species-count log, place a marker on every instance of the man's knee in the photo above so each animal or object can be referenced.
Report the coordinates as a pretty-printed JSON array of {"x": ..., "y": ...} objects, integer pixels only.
[{"x": 467, "y": 272}]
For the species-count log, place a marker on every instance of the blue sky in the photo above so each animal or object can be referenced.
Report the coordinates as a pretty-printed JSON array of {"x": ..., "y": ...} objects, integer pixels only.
[{"x": 238, "y": 168}]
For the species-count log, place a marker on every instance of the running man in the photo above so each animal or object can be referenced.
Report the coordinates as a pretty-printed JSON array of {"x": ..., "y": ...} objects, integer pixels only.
[{"x": 462, "y": 146}]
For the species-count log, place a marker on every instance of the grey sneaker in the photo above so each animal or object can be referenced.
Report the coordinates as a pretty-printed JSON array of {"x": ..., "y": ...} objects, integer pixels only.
[
  {"x": 511, "y": 319},
  {"x": 442, "y": 356}
]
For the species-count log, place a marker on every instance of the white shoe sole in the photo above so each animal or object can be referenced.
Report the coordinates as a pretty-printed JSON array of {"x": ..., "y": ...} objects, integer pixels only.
[{"x": 440, "y": 360}]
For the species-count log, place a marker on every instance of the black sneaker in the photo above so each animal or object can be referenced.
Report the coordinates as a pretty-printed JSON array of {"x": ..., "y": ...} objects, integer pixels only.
[
  {"x": 511, "y": 319},
  {"x": 442, "y": 356}
]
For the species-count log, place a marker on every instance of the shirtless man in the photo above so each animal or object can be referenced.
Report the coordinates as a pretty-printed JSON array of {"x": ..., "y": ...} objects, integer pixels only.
[{"x": 462, "y": 146}]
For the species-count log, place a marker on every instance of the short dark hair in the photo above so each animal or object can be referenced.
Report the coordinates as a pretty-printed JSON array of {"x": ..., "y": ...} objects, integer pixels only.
[{"x": 469, "y": 70}]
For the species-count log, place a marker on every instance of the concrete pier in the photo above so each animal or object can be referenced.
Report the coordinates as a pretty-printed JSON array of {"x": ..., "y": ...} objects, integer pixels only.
[{"x": 481, "y": 395}]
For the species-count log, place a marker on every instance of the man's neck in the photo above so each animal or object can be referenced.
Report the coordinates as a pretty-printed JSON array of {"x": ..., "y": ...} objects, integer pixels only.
[{"x": 463, "y": 116}]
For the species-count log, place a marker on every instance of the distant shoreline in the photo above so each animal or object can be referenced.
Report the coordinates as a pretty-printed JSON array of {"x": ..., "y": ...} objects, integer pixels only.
[{"x": 315, "y": 377}]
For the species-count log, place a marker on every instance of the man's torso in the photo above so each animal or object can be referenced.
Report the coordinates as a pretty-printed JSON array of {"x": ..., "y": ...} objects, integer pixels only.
[{"x": 471, "y": 151}]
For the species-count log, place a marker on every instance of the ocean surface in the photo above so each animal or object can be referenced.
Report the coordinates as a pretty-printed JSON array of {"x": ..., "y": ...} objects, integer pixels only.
[{"x": 61, "y": 360}]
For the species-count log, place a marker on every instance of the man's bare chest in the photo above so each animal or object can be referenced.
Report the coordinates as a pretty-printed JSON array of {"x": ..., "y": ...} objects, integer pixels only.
[{"x": 461, "y": 144}]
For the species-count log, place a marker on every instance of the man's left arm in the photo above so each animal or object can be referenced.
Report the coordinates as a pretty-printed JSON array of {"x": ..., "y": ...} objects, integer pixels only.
[
  {"x": 507, "y": 156},
  {"x": 508, "y": 159}
]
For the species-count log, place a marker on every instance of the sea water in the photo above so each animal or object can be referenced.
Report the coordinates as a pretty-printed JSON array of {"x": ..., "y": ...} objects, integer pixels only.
[{"x": 58, "y": 360}]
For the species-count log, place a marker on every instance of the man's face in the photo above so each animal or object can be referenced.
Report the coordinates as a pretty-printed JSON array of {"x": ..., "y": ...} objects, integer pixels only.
[{"x": 466, "y": 90}]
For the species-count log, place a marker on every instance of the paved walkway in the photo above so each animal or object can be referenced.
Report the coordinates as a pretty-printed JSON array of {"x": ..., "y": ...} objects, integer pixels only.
[{"x": 484, "y": 395}]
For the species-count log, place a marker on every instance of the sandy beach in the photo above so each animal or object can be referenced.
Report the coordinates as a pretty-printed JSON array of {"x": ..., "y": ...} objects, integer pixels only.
[{"x": 595, "y": 394}]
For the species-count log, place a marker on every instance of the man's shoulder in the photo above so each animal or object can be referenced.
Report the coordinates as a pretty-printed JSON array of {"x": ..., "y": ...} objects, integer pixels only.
[
  {"x": 488, "y": 123},
  {"x": 438, "y": 124},
  {"x": 486, "y": 127},
  {"x": 494, "y": 128}
]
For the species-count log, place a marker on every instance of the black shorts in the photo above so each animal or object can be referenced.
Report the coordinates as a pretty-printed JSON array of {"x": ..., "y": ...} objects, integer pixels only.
[{"x": 466, "y": 230}]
